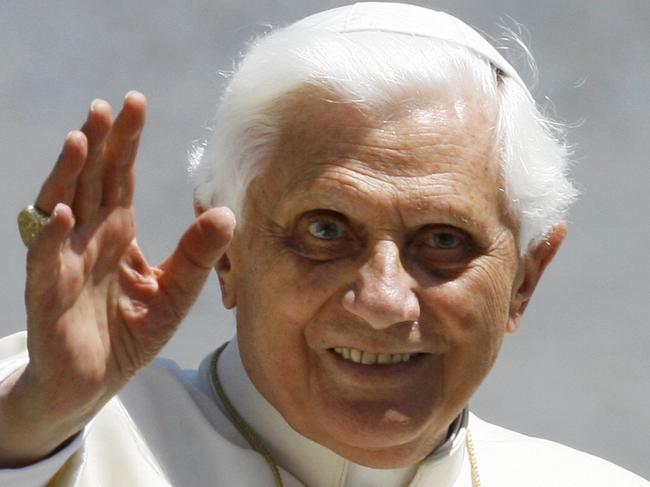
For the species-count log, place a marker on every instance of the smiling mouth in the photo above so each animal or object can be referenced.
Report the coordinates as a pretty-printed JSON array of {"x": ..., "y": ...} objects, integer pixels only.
[{"x": 371, "y": 358}]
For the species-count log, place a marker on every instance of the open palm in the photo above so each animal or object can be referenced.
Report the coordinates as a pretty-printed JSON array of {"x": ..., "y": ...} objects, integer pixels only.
[{"x": 97, "y": 311}]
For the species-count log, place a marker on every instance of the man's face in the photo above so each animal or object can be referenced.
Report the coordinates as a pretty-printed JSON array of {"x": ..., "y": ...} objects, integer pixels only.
[{"x": 379, "y": 239}]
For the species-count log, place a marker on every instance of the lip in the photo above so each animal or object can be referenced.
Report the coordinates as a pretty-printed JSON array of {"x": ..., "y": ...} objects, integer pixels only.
[
  {"x": 380, "y": 350},
  {"x": 376, "y": 375},
  {"x": 370, "y": 358}
]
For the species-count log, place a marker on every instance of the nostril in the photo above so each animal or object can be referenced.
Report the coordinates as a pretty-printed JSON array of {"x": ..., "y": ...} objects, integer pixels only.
[{"x": 381, "y": 309}]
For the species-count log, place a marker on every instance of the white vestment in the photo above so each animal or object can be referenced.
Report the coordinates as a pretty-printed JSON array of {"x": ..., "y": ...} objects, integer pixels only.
[{"x": 167, "y": 428}]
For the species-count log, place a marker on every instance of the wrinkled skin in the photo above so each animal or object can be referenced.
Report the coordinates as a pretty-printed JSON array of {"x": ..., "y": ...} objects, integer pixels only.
[
  {"x": 384, "y": 232},
  {"x": 97, "y": 312}
]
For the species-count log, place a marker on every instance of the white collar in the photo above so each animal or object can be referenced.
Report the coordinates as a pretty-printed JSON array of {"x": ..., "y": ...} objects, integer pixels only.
[{"x": 315, "y": 465}]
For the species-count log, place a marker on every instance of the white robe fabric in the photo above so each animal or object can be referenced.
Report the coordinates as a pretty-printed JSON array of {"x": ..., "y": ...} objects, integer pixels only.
[{"x": 167, "y": 428}]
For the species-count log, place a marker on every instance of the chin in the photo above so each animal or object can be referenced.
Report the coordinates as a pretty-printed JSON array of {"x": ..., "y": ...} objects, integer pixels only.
[
  {"x": 377, "y": 447},
  {"x": 376, "y": 434}
]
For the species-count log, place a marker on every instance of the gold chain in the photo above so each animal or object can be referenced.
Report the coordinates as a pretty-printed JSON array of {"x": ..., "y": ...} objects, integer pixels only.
[
  {"x": 469, "y": 443},
  {"x": 259, "y": 446},
  {"x": 241, "y": 425}
]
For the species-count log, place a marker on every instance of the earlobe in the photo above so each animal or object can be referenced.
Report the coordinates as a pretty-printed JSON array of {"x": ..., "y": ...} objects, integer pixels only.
[
  {"x": 224, "y": 271},
  {"x": 532, "y": 268},
  {"x": 226, "y": 282},
  {"x": 513, "y": 324}
]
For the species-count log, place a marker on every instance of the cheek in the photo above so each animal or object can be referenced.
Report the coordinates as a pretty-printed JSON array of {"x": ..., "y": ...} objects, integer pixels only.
[
  {"x": 293, "y": 287},
  {"x": 279, "y": 302},
  {"x": 470, "y": 313}
]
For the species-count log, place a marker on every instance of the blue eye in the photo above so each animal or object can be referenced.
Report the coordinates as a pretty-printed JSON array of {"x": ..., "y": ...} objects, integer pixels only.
[
  {"x": 326, "y": 230},
  {"x": 445, "y": 240}
]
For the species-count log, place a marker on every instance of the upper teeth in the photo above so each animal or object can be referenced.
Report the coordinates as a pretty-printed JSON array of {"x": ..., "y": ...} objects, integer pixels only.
[{"x": 371, "y": 358}]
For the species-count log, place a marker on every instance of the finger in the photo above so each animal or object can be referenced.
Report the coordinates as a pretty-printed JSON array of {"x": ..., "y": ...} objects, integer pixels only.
[
  {"x": 47, "y": 291},
  {"x": 198, "y": 251},
  {"x": 47, "y": 246},
  {"x": 121, "y": 149},
  {"x": 89, "y": 186},
  {"x": 60, "y": 185}
]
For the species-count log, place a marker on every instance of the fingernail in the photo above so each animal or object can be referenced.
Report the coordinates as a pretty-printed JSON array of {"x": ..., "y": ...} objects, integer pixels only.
[
  {"x": 132, "y": 92},
  {"x": 94, "y": 104},
  {"x": 61, "y": 207},
  {"x": 232, "y": 214}
]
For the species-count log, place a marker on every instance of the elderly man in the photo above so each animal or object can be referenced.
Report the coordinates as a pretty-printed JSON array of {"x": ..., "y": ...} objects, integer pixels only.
[{"x": 398, "y": 197}]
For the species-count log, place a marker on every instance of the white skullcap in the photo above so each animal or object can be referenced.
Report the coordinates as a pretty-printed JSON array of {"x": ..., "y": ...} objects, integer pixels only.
[{"x": 410, "y": 20}]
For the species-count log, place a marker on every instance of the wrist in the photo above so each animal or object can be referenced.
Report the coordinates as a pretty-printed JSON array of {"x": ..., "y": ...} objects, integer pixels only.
[{"x": 31, "y": 429}]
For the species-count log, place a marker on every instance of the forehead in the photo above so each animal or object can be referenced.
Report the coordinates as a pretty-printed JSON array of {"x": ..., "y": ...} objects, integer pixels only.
[{"x": 418, "y": 155}]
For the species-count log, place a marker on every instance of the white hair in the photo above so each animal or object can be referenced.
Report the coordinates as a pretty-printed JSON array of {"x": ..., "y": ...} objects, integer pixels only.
[{"x": 371, "y": 69}]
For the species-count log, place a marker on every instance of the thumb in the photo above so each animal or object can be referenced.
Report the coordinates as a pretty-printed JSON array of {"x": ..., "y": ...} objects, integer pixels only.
[{"x": 185, "y": 270}]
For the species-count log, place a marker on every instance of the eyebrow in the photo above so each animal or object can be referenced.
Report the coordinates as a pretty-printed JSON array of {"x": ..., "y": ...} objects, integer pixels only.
[{"x": 317, "y": 197}]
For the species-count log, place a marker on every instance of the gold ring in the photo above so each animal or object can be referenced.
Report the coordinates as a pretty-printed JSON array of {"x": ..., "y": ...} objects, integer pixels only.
[{"x": 30, "y": 223}]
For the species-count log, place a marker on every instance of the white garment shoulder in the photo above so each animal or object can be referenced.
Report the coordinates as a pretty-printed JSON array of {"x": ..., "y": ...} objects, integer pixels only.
[
  {"x": 531, "y": 462},
  {"x": 166, "y": 429}
]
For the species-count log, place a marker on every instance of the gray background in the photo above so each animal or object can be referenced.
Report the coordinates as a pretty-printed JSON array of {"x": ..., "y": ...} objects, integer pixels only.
[{"x": 577, "y": 372}]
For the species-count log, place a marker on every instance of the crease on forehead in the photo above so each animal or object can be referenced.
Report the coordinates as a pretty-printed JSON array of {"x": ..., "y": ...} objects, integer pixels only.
[
  {"x": 414, "y": 209},
  {"x": 314, "y": 121},
  {"x": 438, "y": 102},
  {"x": 312, "y": 118}
]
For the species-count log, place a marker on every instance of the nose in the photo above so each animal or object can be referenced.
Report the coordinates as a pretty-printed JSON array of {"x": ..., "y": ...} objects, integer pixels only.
[{"x": 382, "y": 294}]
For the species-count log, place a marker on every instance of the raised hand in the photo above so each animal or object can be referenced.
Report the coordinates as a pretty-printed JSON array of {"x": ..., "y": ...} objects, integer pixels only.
[{"x": 96, "y": 310}]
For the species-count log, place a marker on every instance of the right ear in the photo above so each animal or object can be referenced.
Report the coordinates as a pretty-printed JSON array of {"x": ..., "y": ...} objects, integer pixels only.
[{"x": 224, "y": 271}]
